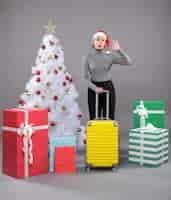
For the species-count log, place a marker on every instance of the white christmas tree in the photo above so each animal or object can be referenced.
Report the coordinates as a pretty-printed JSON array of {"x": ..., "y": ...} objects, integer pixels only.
[{"x": 52, "y": 87}]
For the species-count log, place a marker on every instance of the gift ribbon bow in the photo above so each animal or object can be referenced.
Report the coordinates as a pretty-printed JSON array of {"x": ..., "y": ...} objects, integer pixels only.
[
  {"x": 142, "y": 112},
  {"x": 27, "y": 131},
  {"x": 149, "y": 127}
]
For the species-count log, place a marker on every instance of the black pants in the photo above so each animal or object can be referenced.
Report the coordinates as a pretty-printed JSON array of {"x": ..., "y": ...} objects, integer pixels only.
[{"x": 107, "y": 85}]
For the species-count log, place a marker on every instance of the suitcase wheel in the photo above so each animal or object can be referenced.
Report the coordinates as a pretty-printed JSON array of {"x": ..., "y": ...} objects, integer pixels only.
[
  {"x": 87, "y": 168},
  {"x": 114, "y": 168}
]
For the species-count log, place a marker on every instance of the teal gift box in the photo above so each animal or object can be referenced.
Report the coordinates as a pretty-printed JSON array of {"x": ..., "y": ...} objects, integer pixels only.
[
  {"x": 148, "y": 112},
  {"x": 148, "y": 146},
  {"x": 59, "y": 141}
]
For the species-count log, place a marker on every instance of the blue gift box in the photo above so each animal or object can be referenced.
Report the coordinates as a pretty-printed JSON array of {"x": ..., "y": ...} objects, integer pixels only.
[{"x": 59, "y": 141}]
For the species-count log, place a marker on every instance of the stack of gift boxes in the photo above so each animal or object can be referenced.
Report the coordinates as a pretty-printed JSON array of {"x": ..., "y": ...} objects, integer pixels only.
[{"x": 149, "y": 140}]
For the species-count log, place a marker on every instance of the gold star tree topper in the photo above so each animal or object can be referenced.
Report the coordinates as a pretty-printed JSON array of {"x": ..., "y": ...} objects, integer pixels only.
[{"x": 50, "y": 28}]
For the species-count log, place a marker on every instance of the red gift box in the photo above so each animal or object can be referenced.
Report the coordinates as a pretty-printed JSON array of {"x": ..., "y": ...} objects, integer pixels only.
[
  {"x": 25, "y": 142},
  {"x": 65, "y": 160}
]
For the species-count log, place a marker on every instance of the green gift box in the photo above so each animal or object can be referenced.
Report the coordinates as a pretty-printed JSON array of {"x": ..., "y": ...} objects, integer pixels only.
[
  {"x": 148, "y": 112},
  {"x": 148, "y": 146}
]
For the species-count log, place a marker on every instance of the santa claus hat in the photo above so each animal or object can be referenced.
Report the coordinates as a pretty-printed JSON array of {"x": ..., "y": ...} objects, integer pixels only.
[{"x": 104, "y": 35}]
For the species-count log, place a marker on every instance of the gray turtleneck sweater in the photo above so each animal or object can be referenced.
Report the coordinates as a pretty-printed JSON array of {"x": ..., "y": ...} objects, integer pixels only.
[{"x": 97, "y": 66}]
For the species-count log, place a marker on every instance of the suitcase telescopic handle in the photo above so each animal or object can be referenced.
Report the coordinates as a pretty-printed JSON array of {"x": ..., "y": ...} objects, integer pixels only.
[{"x": 107, "y": 104}]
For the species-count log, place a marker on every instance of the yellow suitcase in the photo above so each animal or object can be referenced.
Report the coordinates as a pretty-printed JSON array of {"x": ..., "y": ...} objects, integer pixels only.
[{"x": 102, "y": 147}]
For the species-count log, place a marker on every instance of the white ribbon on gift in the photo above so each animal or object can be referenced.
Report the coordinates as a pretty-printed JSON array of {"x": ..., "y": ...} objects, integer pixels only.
[
  {"x": 148, "y": 127},
  {"x": 142, "y": 148},
  {"x": 26, "y": 130},
  {"x": 143, "y": 113},
  {"x": 145, "y": 128}
]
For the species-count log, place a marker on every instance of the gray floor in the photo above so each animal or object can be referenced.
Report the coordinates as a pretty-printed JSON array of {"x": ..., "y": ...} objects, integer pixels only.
[{"x": 129, "y": 182}]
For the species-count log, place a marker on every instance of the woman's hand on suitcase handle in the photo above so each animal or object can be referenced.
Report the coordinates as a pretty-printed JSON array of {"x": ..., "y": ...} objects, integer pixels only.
[{"x": 99, "y": 90}]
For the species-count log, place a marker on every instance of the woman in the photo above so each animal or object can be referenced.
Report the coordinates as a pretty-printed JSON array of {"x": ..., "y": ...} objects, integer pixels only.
[{"x": 97, "y": 72}]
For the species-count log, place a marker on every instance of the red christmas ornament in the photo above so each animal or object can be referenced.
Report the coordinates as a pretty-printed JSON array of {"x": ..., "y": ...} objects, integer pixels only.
[
  {"x": 38, "y": 79},
  {"x": 67, "y": 78},
  {"x": 55, "y": 98},
  {"x": 55, "y": 71},
  {"x": 79, "y": 115},
  {"x": 38, "y": 72},
  {"x": 52, "y": 124},
  {"x": 38, "y": 92},
  {"x": 21, "y": 101}
]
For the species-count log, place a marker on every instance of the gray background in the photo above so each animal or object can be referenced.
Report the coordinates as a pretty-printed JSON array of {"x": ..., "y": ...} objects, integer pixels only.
[
  {"x": 143, "y": 29},
  {"x": 141, "y": 26}
]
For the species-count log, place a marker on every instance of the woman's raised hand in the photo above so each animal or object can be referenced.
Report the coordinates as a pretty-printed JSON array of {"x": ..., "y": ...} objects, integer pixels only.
[{"x": 115, "y": 45}]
